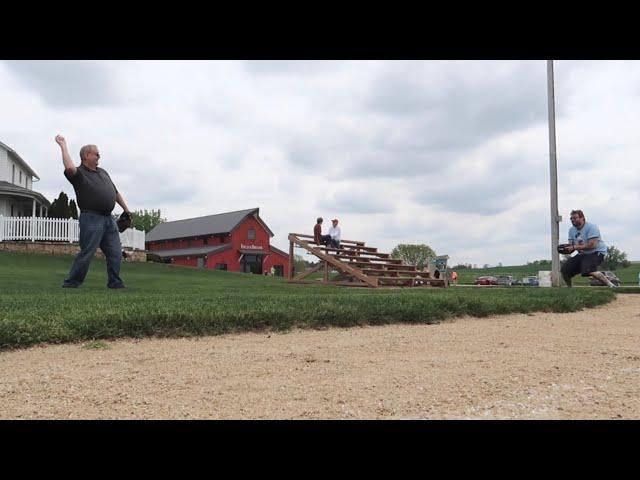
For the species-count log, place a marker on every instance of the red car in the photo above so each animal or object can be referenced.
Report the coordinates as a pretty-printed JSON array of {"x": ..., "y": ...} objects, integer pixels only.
[{"x": 486, "y": 280}]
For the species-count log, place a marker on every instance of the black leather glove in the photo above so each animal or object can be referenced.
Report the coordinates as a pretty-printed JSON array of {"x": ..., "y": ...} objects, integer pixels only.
[
  {"x": 565, "y": 248},
  {"x": 125, "y": 221}
]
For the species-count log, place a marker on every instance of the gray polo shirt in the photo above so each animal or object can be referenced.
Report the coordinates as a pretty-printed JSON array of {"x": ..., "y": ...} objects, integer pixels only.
[{"x": 94, "y": 190}]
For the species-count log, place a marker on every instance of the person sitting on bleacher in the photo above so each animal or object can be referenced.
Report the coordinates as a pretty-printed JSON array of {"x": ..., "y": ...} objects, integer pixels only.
[
  {"x": 335, "y": 234},
  {"x": 317, "y": 234}
]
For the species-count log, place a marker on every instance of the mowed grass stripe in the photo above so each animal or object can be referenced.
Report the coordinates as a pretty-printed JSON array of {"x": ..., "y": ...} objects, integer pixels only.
[
  {"x": 628, "y": 276},
  {"x": 168, "y": 301}
]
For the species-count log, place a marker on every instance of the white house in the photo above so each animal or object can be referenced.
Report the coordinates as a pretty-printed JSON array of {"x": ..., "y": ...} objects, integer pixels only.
[{"x": 17, "y": 197}]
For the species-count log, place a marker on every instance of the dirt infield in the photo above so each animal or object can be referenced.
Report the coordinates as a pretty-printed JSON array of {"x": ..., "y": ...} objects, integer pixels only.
[{"x": 582, "y": 365}]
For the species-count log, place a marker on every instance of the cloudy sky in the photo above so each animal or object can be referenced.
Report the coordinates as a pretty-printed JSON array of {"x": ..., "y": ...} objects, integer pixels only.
[{"x": 454, "y": 154}]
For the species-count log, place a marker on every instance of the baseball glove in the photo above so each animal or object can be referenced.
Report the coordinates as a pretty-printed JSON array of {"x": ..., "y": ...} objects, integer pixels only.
[
  {"x": 565, "y": 248},
  {"x": 124, "y": 222}
]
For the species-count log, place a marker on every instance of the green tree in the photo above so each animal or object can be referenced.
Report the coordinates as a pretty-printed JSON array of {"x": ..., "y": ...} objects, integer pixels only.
[
  {"x": 53, "y": 209},
  {"x": 73, "y": 209},
  {"x": 461, "y": 266},
  {"x": 146, "y": 220},
  {"x": 413, "y": 254},
  {"x": 60, "y": 207},
  {"x": 299, "y": 264},
  {"x": 540, "y": 263},
  {"x": 615, "y": 258}
]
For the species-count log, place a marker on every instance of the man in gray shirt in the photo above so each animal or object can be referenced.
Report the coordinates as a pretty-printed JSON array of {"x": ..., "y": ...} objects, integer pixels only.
[{"x": 96, "y": 197}]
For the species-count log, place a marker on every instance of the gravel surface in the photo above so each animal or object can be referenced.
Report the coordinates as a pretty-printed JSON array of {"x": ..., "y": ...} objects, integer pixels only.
[{"x": 582, "y": 365}]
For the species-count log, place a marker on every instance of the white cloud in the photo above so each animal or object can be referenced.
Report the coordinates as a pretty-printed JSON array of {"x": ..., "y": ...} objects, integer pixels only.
[
  {"x": 66, "y": 84},
  {"x": 453, "y": 154}
]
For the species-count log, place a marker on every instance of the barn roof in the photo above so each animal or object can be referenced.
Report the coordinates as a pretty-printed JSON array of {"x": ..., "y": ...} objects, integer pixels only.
[
  {"x": 190, "y": 252},
  {"x": 199, "y": 226}
]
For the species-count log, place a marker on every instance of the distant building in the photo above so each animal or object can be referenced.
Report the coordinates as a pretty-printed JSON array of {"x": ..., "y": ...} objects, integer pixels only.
[
  {"x": 17, "y": 197},
  {"x": 235, "y": 241}
]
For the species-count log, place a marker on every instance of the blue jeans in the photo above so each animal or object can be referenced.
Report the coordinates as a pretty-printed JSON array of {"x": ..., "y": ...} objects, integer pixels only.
[
  {"x": 97, "y": 231},
  {"x": 325, "y": 239}
]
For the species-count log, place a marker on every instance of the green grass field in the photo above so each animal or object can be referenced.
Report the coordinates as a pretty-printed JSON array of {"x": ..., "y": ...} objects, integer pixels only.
[
  {"x": 628, "y": 276},
  {"x": 163, "y": 300}
]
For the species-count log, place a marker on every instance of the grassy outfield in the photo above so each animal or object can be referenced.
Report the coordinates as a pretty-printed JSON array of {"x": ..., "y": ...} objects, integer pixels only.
[
  {"x": 172, "y": 301},
  {"x": 628, "y": 276}
]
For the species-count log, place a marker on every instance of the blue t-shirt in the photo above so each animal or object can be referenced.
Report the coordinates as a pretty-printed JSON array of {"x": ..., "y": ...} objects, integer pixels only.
[{"x": 587, "y": 232}]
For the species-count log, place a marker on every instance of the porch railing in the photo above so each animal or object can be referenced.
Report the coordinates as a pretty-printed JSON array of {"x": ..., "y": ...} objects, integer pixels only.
[{"x": 57, "y": 230}]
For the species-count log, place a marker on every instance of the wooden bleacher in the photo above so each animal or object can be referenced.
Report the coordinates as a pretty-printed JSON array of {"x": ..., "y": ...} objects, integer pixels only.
[{"x": 357, "y": 265}]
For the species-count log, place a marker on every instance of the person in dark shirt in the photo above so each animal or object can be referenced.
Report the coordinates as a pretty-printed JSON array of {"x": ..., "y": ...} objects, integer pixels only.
[
  {"x": 96, "y": 197},
  {"x": 317, "y": 233}
]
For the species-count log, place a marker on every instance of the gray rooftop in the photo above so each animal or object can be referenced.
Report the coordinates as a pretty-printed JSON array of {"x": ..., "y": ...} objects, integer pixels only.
[
  {"x": 188, "y": 252},
  {"x": 200, "y": 226},
  {"x": 24, "y": 164},
  {"x": 11, "y": 189},
  {"x": 277, "y": 250}
]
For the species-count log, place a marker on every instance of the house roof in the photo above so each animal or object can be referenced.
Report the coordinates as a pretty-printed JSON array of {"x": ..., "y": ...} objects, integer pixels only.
[
  {"x": 277, "y": 250},
  {"x": 19, "y": 159},
  {"x": 190, "y": 252},
  {"x": 208, "y": 225},
  {"x": 7, "y": 188}
]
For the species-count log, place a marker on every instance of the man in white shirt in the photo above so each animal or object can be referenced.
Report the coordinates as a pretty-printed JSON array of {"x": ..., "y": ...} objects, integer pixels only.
[{"x": 335, "y": 234}]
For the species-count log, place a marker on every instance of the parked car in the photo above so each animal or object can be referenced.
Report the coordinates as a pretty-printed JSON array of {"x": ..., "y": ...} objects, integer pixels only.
[
  {"x": 530, "y": 282},
  {"x": 486, "y": 280},
  {"x": 594, "y": 282},
  {"x": 505, "y": 280}
]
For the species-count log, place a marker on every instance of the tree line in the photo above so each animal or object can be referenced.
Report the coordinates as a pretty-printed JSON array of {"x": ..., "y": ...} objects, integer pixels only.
[{"x": 145, "y": 220}]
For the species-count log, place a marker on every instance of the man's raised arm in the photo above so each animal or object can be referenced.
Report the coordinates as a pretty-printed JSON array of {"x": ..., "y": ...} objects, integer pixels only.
[{"x": 69, "y": 167}]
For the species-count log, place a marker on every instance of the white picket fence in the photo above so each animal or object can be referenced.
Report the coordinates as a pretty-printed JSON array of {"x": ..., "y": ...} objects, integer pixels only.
[{"x": 57, "y": 229}]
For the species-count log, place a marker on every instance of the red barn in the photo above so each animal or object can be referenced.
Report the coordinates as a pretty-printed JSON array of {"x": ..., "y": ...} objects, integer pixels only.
[{"x": 234, "y": 241}]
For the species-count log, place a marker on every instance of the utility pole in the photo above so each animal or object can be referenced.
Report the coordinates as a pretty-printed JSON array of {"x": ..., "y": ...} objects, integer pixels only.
[{"x": 553, "y": 169}]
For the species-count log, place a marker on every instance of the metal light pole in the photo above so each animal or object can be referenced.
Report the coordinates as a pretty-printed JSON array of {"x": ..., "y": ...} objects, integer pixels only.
[{"x": 553, "y": 169}]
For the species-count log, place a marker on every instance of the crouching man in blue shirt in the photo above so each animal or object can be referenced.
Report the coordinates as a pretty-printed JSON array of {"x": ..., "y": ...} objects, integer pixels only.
[{"x": 585, "y": 239}]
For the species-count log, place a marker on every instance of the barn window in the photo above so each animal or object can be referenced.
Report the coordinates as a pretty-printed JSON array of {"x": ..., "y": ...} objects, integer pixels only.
[
  {"x": 251, "y": 234},
  {"x": 221, "y": 266}
]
